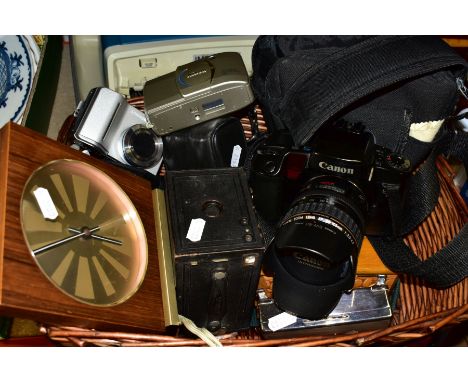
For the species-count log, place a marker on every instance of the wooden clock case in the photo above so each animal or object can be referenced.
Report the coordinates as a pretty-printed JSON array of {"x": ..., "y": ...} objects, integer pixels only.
[{"x": 24, "y": 290}]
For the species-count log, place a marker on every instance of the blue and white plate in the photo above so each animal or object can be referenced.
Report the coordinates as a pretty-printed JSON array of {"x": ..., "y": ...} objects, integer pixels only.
[
  {"x": 33, "y": 48},
  {"x": 17, "y": 69}
]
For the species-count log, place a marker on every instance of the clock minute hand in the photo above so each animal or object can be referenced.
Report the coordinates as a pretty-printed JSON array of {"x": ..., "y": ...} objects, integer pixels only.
[
  {"x": 98, "y": 237},
  {"x": 63, "y": 241}
]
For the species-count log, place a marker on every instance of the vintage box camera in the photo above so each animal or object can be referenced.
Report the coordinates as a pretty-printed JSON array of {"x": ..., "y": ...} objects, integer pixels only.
[
  {"x": 323, "y": 198},
  {"x": 106, "y": 125},
  {"x": 196, "y": 92},
  {"x": 361, "y": 309},
  {"x": 217, "y": 247}
]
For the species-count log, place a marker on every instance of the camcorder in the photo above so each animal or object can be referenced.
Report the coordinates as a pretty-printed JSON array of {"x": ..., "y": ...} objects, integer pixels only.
[{"x": 323, "y": 198}]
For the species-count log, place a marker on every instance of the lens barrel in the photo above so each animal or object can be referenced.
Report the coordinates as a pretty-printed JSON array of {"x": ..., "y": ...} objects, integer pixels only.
[
  {"x": 317, "y": 243},
  {"x": 142, "y": 147}
]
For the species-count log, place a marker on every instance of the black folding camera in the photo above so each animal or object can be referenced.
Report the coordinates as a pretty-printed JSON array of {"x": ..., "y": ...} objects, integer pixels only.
[{"x": 323, "y": 198}]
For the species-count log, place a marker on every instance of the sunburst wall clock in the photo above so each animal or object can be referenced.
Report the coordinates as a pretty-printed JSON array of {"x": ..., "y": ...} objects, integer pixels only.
[{"x": 77, "y": 238}]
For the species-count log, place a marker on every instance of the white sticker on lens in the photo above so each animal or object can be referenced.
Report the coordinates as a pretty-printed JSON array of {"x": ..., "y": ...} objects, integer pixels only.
[
  {"x": 236, "y": 154},
  {"x": 280, "y": 321},
  {"x": 45, "y": 203},
  {"x": 195, "y": 230}
]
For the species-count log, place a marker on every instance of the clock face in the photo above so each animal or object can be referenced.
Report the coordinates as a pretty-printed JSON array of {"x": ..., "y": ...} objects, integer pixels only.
[{"x": 84, "y": 232}]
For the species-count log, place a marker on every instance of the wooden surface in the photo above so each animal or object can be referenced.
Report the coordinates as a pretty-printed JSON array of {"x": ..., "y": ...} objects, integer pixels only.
[
  {"x": 369, "y": 262},
  {"x": 24, "y": 290}
]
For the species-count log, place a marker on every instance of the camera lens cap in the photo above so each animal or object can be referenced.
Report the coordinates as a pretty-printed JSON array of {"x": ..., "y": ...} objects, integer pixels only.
[{"x": 303, "y": 299}]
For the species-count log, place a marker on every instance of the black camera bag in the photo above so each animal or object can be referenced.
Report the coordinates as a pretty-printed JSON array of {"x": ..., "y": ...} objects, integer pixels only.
[{"x": 387, "y": 83}]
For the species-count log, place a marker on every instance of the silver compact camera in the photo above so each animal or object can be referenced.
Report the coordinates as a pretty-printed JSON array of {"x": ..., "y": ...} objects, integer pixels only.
[
  {"x": 196, "y": 92},
  {"x": 107, "y": 125}
]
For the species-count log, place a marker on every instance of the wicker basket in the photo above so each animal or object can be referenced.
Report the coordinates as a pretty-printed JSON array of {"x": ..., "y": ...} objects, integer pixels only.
[{"x": 420, "y": 310}]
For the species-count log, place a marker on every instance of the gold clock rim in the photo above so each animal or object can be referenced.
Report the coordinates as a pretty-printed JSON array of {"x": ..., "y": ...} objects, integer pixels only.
[{"x": 142, "y": 269}]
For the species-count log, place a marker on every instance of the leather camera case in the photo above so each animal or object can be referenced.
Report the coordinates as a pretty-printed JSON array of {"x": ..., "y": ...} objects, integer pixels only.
[{"x": 210, "y": 144}]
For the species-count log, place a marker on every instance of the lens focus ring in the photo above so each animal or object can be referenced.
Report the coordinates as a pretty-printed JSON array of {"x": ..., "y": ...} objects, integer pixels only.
[{"x": 328, "y": 210}]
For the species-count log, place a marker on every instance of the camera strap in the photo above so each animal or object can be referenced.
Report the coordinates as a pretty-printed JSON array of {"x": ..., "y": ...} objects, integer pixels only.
[
  {"x": 443, "y": 269},
  {"x": 449, "y": 265}
]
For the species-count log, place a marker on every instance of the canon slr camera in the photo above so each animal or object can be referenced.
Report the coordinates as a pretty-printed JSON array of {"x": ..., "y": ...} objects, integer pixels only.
[{"x": 322, "y": 199}]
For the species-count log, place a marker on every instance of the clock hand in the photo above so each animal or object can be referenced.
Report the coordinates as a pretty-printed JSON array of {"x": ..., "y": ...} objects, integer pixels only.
[
  {"x": 98, "y": 237},
  {"x": 63, "y": 241}
]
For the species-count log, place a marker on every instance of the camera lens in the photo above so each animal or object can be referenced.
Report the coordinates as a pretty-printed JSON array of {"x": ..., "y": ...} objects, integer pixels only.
[
  {"x": 318, "y": 239},
  {"x": 142, "y": 147},
  {"x": 322, "y": 228}
]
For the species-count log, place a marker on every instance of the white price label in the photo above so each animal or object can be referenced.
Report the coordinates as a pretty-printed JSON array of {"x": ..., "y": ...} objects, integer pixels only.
[
  {"x": 45, "y": 203},
  {"x": 236, "y": 154},
  {"x": 425, "y": 131},
  {"x": 281, "y": 320},
  {"x": 195, "y": 230}
]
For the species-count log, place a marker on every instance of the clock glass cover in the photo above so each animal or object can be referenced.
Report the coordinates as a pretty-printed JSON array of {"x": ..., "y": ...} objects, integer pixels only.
[{"x": 84, "y": 232}]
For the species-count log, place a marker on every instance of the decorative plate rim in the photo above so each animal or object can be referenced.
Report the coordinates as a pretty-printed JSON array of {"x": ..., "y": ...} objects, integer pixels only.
[{"x": 18, "y": 113}]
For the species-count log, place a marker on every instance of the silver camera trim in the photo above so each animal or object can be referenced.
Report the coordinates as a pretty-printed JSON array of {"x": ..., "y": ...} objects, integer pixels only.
[{"x": 106, "y": 121}]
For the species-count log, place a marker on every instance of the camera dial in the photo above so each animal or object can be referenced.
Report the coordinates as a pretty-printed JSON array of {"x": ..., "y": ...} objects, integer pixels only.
[
  {"x": 142, "y": 147},
  {"x": 397, "y": 162}
]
